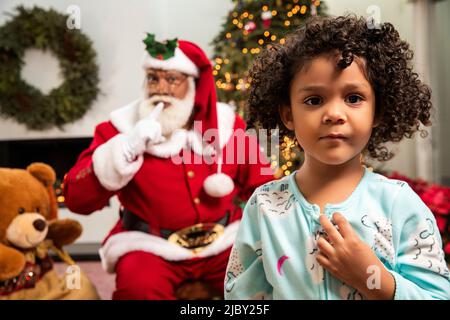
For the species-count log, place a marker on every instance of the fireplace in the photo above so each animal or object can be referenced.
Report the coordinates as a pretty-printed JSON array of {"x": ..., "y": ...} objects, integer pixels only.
[{"x": 61, "y": 154}]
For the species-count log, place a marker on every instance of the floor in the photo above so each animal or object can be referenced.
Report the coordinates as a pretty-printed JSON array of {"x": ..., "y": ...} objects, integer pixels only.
[{"x": 103, "y": 281}]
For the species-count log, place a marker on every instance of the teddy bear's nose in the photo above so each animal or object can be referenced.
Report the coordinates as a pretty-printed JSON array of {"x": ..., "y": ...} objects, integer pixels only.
[{"x": 39, "y": 224}]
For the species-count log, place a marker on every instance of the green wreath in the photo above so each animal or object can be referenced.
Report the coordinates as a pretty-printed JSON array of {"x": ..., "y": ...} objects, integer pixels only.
[{"x": 46, "y": 29}]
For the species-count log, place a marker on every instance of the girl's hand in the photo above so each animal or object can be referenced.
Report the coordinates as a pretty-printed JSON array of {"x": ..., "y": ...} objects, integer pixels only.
[{"x": 352, "y": 261}]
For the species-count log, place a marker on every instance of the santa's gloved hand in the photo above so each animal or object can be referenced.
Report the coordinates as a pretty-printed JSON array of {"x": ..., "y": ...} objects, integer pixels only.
[
  {"x": 116, "y": 161},
  {"x": 146, "y": 131}
]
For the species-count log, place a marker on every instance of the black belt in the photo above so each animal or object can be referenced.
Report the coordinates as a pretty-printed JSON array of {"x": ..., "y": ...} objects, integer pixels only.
[{"x": 133, "y": 222}]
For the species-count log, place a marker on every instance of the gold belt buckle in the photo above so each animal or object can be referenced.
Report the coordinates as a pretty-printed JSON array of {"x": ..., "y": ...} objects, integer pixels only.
[{"x": 197, "y": 237}]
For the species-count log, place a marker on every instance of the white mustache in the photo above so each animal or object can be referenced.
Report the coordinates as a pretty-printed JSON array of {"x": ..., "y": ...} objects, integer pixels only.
[{"x": 157, "y": 98}]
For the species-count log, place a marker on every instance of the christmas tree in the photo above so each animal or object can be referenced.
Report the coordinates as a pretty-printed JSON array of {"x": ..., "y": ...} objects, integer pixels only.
[{"x": 249, "y": 27}]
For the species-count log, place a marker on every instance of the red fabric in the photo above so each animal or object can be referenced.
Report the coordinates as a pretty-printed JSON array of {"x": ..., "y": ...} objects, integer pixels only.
[
  {"x": 161, "y": 192},
  {"x": 205, "y": 97},
  {"x": 135, "y": 282}
]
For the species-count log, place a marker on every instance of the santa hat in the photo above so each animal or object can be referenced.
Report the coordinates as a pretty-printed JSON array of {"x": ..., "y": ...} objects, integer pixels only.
[{"x": 187, "y": 57}]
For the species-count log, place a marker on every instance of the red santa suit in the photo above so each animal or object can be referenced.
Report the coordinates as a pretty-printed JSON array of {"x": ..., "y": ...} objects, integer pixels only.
[{"x": 167, "y": 190}]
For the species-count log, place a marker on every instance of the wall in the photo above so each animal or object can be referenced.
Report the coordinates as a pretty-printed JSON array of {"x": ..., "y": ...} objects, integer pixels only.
[{"x": 440, "y": 68}]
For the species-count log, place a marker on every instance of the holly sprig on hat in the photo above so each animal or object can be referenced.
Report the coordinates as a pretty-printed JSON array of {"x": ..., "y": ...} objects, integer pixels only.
[{"x": 160, "y": 50}]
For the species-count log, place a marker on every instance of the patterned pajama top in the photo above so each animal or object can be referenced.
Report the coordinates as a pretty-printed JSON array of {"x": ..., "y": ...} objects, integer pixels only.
[{"x": 274, "y": 255}]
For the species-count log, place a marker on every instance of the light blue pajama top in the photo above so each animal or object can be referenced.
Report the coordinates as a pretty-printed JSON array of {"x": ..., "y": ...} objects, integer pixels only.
[{"x": 274, "y": 255}]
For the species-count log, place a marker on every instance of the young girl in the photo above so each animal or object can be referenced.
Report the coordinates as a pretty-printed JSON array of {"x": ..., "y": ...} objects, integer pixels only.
[{"x": 333, "y": 229}]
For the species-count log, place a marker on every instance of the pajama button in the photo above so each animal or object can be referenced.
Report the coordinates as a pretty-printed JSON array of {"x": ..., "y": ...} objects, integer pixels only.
[
  {"x": 196, "y": 200},
  {"x": 191, "y": 174}
]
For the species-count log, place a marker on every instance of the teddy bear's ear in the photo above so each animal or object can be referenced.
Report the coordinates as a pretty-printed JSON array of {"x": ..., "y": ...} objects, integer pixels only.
[{"x": 45, "y": 174}]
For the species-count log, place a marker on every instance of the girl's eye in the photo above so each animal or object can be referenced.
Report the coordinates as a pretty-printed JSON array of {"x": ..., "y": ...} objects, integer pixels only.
[
  {"x": 353, "y": 99},
  {"x": 313, "y": 101}
]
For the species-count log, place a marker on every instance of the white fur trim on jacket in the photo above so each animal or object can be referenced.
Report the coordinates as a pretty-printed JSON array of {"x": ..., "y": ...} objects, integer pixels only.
[
  {"x": 179, "y": 62},
  {"x": 110, "y": 166},
  {"x": 124, "y": 242},
  {"x": 125, "y": 118}
]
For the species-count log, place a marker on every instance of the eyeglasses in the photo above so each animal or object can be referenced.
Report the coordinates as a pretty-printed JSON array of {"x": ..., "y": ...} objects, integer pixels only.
[{"x": 172, "y": 78}]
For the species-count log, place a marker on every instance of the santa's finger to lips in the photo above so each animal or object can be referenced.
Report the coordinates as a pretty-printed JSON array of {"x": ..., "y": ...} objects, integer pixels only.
[{"x": 157, "y": 111}]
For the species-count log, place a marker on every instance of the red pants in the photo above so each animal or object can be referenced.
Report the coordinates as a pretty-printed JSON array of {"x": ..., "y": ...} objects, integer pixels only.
[{"x": 142, "y": 275}]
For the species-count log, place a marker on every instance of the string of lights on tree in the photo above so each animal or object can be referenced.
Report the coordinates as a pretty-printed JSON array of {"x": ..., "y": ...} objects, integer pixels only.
[{"x": 249, "y": 27}]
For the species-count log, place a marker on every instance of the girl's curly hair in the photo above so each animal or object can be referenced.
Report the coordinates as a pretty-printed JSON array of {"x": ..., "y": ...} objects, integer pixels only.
[{"x": 402, "y": 100}]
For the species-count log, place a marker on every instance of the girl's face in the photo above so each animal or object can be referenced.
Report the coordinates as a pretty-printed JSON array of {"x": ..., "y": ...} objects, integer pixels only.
[{"x": 328, "y": 101}]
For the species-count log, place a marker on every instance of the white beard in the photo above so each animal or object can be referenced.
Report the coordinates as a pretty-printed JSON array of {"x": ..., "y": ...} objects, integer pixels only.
[{"x": 174, "y": 116}]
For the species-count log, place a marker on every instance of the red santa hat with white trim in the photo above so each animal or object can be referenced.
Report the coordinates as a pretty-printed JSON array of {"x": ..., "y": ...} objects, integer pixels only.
[{"x": 188, "y": 58}]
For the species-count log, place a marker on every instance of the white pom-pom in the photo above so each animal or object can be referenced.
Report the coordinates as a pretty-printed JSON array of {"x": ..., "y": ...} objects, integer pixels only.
[{"x": 218, "y": 185}]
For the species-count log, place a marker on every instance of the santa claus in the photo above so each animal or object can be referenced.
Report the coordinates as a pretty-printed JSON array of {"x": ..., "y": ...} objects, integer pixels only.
[{"x": 180, "y": 186}]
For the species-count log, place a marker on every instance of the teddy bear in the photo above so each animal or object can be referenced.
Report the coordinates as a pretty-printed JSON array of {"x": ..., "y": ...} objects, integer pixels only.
[{"x": 29, "y": 230}]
